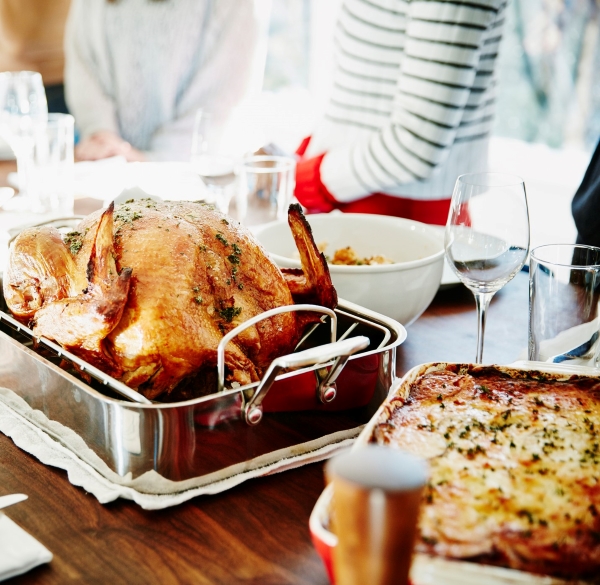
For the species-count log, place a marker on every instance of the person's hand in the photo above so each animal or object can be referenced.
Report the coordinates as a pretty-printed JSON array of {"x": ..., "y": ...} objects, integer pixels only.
[
  {"x": 105, "y": 144},
  {"x": 271, "y": 149}
]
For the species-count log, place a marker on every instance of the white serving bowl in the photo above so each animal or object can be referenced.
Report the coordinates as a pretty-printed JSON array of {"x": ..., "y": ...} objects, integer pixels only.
[{"x": 402, "y": 290}]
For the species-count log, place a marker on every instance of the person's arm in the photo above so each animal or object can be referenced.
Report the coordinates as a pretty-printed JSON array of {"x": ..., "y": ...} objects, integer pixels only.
[
  {"x": 231, "y": 67},
  {"x": 444, "y": 42}
]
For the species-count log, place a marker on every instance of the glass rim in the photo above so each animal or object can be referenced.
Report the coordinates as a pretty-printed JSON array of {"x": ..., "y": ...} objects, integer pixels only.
[
  {"x": 283, "y": 163},
  {"x": 470, "y": 178},
  {"x": 539, "y": 260},
  {"x": 202, "y": 113},
  {"x": 24, "y": 73},
  {"x": 60, "y": 116}
]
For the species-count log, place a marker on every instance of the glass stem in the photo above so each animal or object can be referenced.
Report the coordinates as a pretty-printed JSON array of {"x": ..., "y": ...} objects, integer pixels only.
[{"x": 482, "y": 300}]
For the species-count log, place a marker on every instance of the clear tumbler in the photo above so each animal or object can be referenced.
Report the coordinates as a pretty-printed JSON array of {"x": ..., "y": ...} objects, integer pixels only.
[
  {"x": 564, "y": 291},
  {"x": 265, "y": 189}
]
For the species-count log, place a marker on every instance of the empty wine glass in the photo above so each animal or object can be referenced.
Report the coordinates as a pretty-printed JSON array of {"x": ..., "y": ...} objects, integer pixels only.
[
  {"x": 215, "y": 168},
  {"x": 487, "y": 236},
  {"x": 23, "y": 114}
]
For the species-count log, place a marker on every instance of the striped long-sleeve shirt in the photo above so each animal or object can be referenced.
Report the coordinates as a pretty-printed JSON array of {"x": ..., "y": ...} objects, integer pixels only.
[{"x": 412, "y": 101}]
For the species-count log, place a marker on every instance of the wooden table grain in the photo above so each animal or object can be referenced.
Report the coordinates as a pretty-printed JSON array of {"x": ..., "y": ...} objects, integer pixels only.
[{"x": 256, "y": 533}]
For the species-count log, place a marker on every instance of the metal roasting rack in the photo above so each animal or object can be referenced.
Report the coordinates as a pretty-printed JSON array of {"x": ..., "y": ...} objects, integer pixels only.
[
  {"x": 339, "y": 373},
  {"x": 329, "y": 387}
]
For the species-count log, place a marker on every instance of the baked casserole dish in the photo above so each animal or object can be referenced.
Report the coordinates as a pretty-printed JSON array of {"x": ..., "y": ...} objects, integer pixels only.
[{"x": 514, "y": 456}]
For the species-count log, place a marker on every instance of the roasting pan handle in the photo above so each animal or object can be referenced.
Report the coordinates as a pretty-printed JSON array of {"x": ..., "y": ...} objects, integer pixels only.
[
  {"x": 339, "y": 351},
  {"x": 266, "y": 315}
]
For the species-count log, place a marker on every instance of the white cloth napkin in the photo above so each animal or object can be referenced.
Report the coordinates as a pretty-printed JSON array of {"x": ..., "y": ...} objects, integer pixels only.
[
  {"x": 61, "y": 447},
  {"x": 102, "y": 179},
  {"x": 19, "y": 551},
  {"x": 105, "y": 179},
  {"x": 563, "y": 343},
  {"x": 566, "y": 341}
]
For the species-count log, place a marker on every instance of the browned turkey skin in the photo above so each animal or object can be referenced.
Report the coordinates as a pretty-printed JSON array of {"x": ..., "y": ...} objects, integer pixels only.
[{"x": 146, "y": 291}]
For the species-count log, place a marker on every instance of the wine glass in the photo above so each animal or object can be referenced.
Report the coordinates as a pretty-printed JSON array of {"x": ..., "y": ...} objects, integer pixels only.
[
  {"x": 216, "y": 169},
  {"x": 23, "y": 115},
  {"x": 487, "y": 236}
]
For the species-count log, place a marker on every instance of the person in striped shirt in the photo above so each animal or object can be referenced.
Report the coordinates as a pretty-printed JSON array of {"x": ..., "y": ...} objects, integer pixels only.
[{"x": 411, "y": 107}]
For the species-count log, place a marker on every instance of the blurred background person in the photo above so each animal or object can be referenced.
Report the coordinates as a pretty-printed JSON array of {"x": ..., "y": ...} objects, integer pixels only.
[
  {"x": 31, "y": 39},
  {"x": 137, "y": 71},
  {"x": 410, "y": 109}
]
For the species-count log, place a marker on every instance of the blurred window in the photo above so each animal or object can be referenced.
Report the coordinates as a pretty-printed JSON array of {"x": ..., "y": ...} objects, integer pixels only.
[{"x": 548, "y": 91}]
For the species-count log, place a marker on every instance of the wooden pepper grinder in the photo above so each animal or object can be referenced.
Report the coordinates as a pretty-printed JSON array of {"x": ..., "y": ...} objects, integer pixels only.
[{"x": 376, "y": 500}]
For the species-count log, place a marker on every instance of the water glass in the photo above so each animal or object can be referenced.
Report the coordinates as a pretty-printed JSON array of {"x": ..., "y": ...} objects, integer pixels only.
[
  {"x": 377, "y": 494},
  {"x": 564, "y": 291},
  {"x": 265, "y": 189},
  {"x": 50, "y": 181}
]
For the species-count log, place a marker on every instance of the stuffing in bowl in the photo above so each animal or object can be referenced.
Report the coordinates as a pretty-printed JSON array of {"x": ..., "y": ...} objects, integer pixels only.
[{"x": 403, "y": 280}]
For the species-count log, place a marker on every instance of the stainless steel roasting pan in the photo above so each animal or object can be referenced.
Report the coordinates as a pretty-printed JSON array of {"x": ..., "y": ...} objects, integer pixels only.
[{"x": 314, "y": 394}]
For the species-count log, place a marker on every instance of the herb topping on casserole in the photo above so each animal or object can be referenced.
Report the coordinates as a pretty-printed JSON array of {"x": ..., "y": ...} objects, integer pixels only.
[{"x": 515, "y": 467}]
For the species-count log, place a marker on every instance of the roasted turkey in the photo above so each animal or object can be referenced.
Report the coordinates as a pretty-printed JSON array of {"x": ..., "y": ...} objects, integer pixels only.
[{"x": 145, "y": 291}]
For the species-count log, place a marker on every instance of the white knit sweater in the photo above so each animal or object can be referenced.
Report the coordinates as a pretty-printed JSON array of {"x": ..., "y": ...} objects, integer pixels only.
[
  {"x": 142, "y": 68},
  {"x": 413, "y": 96}
]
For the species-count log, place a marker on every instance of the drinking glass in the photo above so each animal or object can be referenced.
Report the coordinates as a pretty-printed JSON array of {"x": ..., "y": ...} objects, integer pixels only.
[
  {"x": 215, "y": 168},
  {"x": 487, "y": 236},
  {"x": 564, "y": 293},
  {"x": 23, "y": 113},
  {"x": 266, "y": 188},
  {"x": 52, "y": 177}
]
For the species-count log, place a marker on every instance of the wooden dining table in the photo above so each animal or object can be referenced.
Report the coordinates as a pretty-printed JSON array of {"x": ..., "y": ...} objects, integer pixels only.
[{"x": 255, "y": 533}]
